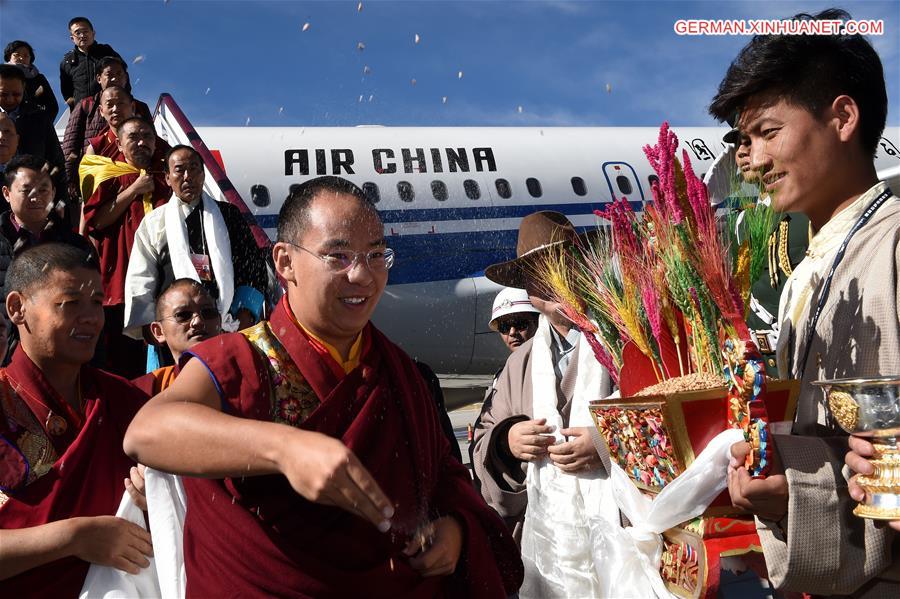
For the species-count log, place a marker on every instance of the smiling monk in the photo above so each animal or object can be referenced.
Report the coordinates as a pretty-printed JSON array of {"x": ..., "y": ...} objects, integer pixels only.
[
  {"x": 61, "y": 429},
  {"x": 325, "y": 469}
]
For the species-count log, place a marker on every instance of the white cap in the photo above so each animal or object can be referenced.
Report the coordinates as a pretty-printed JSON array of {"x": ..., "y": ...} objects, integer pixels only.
[{"x": 510, "y": 300}]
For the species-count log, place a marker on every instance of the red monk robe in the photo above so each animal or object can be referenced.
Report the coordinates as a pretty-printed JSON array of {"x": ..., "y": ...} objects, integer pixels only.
[
  {"x": 154, "y": 383},
  {"x": 106, "y": 144},
  {"x": 46, "y": 477},
  {"x": 115, "y": 241},
  {"x": 256, "y": 536}
]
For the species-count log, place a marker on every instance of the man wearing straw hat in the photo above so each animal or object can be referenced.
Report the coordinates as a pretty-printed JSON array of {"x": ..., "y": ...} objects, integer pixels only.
[{"x": 534, "y": 440}]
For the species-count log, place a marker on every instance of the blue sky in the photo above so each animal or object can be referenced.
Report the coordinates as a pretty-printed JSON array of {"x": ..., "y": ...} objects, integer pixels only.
[{"x": 229, "y": 61}]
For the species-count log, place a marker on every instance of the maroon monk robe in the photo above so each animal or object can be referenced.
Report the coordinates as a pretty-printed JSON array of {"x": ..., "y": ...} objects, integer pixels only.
[
  {"x": 106, "y": 144},
  {"x": 46, "y": 477},
  {"x": 255, "y": 536},
  {"x": 115, "y": 241}
]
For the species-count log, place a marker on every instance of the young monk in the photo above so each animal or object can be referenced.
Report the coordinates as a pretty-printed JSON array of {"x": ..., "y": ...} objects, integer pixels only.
[
  {"x": 61, "y": 429},
  {"x": 325, "y": 472}
]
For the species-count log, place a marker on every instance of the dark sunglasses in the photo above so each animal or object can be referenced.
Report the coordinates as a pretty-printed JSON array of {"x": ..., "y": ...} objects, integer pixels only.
[
  {"x": 520, "y": 324},
  {"x": 186, "y": 316}
]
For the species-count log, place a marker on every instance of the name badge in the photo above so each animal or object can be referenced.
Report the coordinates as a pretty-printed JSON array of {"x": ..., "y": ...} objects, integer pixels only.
[{"x": 202, "y": 266}]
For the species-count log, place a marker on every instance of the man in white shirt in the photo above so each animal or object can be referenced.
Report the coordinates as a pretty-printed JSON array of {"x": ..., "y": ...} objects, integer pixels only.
[{"x": 195, "y": 237}]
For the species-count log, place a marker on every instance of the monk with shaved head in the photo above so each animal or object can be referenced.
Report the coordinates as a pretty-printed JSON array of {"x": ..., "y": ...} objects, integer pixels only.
[
  {"x": 61, "y": 427},
  {"x": 311, "y": 442}
]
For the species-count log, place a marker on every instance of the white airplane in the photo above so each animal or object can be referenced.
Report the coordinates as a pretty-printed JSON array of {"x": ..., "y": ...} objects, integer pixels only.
[{"x": 451, "y": 199}]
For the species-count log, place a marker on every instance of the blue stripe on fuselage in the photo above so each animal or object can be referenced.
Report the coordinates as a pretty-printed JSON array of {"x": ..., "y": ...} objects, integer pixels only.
[
  {"x": 449, "y": 256},
  {"x": 412, "y": 215}
]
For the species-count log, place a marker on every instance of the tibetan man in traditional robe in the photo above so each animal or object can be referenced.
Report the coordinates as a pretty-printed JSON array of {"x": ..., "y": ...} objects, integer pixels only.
[
  {"x": 319, "y": 466},
  {"x": 813, "y": 125},
  {"x": 61, "y": 428},
  {"x": 122, "y": 195}
]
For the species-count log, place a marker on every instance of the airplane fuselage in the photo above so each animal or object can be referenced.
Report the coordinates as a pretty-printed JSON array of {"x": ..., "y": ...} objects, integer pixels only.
[{"x": 451, "y": 200}]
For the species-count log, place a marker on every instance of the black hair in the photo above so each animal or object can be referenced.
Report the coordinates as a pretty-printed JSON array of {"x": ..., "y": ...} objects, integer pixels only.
[
  {"x": 108, "y": 61},
  {"x": 294, "y": 215},
  {"x": 133, "y": 119},
  {"x": 11, "y": 71},
  {"x": 178, "y": 284},
  {"x": 15, "y": 45},
  {"x": 120, "y": 89},
  {"x": 38, "y": 165},
  {"x": 809, "y": 71},
  {"x": 85, "y": 20},
  {"x": 179, "y": 148},
  {"x": 35, "y": 264}
]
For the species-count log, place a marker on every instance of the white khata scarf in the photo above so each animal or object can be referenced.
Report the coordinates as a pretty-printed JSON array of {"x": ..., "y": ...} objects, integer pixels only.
[
  {"x": 573, "y": 544},
  {"x": 218, "y": 245},
  {"x": 556, "y": 538}
]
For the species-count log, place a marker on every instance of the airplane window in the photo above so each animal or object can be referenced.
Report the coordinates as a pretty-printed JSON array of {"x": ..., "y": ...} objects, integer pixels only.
[
  {"x": 578, "y": 186},
  {"x": 534, "y": 187},
  {"x": 439, "y": 191},
  {"x": 624, "y": 184},
  {"x": 651, "y": 179},
  {"x": 503, "y": 188},
  {"x": 405, "y": 189},
  {"x": 371, "y": 191},
  {"x": 259, "y": 195},
  {"x": 471, "y": 187}
]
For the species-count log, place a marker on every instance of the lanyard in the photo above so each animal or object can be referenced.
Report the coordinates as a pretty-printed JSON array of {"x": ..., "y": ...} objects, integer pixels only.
[{"x": 826, "y": 289}]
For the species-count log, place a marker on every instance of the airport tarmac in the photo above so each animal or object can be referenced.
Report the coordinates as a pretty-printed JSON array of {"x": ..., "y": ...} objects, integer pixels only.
[{"x": 461, "y": 418}]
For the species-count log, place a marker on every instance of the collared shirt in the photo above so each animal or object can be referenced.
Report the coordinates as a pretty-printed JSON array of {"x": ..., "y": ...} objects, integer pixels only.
[
  {"x": 808, "y": 275},
  {"x": 19, "y": 226},
  {"x": 562, "y": 348}
]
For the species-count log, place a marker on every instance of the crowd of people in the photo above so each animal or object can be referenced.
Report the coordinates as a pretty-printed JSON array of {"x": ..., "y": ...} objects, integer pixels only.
[{"x": 314, "y": 454}]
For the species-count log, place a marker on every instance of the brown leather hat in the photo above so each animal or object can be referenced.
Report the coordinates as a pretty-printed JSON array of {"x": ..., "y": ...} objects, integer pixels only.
[{"x": 538, "y": 232}]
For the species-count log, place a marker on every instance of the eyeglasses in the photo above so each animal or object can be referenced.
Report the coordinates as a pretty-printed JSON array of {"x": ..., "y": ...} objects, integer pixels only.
[
  {"x": 344, "y": 260},
  {"x": 186, "y": 316},
  {"x": 520, "y": 324}
]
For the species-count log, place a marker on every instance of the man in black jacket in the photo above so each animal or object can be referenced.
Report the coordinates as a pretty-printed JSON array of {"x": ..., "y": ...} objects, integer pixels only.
[
  {"x": 37, "y": 136},
  {"x": 36, "y": 133},
  {"x": 78, "y": 69},
  {"x": 37, "y": 88}
]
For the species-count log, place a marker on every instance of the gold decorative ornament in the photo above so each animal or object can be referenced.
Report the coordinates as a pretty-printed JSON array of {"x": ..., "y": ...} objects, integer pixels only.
[
  {"x": 870, "y": 408},
  {"x": 844, "y": 409}
]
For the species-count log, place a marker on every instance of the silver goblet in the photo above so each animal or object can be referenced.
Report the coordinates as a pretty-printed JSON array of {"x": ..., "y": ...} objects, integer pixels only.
[{"x": 870, "y": 407}]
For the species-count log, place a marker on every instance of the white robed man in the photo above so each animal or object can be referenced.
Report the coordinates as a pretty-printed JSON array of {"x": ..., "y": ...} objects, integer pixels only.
[
  {"x": 535, "y": 444},
  {"x": 193, "y": 236}
]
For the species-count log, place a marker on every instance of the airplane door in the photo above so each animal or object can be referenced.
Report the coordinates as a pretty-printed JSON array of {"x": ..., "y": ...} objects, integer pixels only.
[{"x": 623, "y": 181}]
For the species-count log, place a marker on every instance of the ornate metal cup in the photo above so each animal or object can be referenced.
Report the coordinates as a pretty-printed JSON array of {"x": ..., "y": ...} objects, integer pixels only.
[{"x": 870, "y": 407}]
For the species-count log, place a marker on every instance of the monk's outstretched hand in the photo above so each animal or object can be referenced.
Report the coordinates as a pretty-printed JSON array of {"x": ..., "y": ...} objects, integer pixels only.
[
  {"x": 324, "y": 470},
  {"x": 441, "y": 556},
  {"x": 528, "y": 440},
  {"x": 112, "y": 541},
  {"x": 578, "y": 454}
]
